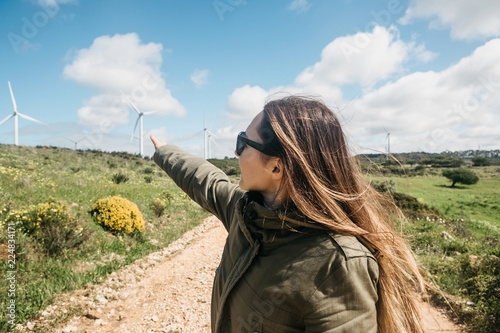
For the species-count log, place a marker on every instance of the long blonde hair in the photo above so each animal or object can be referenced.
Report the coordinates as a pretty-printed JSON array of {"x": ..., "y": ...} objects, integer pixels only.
[{"x": 325, "y": 184}]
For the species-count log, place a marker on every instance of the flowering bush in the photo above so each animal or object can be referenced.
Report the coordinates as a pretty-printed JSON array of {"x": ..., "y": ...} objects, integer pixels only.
[
  {"x": 51, "y": 225},
  {"x": 118, "y": 214},
  {"x": 158, "y": 206}
]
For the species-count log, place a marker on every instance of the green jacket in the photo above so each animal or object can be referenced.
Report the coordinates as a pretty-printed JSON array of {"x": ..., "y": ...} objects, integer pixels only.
[{"x": 277, "y": 275}]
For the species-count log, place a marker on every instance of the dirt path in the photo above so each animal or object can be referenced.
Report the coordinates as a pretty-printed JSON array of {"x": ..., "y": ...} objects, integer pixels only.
[{"x": 168, "y": 291}]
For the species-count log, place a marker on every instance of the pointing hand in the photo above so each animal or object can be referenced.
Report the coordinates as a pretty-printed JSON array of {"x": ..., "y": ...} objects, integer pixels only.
[{"x": 156, "y": 143}]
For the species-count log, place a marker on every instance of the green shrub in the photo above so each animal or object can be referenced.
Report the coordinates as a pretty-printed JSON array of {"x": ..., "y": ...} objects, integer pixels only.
[
  {"x": 444, "y": 162},
  {"x": 148, "y": 171},
  {"x": 480, "y": 161},
  {"x": 229, "y": 166},
  {"x": 461, "y": 176},
  {"x": 168, "y": 197},
  {"x": 148, "y": 179},
  {"x": 158, "y": 206},
  {"x": 411, "y": 207},
  {"x": 389, "y": 162},
  {"x": 395, "y": 170},
  {"x": 120, "y": 178},
  {"x": 420, "y": 168},
  {"x": 50, "y": 225},
  {"x": 384, "y": 185},
  {"x": 117, "y": 215},
  {"x": 232, "y": 171},
  {"x": 481, "y": 277}
]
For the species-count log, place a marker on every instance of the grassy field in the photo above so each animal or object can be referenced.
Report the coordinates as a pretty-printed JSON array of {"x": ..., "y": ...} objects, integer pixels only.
[
  {"x": 30, "y": 176},
  {"x": 458, "y": 246},
  {"x": 479, "y": 203}
]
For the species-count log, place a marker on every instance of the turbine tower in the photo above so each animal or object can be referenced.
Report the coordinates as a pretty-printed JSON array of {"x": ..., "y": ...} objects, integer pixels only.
[
  {"x": 210, "y": 139},
  {"x": 388, "y": 140},
  {"x": 15, "y": 114},
  {"x": 207, "y": 138},
  {"x": 75, "y": 142},
  {"x": 139, "y": 120}
]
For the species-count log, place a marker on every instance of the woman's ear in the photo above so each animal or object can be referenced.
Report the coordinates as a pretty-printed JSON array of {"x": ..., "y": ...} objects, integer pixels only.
[{"x": 277, "y": 168}]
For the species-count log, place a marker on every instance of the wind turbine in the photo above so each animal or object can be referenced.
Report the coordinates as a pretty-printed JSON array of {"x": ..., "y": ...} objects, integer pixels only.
[
  {"x": 15, "y": 114},
  {"x": 207, "y": 137},
  {"x": 139, "y": 120},
  {"x": 210, "y": 139},
  {"x": 388, "y": 140},
  {"x": 75, "y": 142}
]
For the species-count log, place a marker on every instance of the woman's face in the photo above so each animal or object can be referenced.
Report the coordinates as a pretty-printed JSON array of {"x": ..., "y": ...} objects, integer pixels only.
[{"x": 255, "y": 171}]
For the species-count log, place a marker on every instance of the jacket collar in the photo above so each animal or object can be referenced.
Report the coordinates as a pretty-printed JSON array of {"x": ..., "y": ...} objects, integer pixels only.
[
  {"x": 270, "y": 227},
  {"x": 273, "y": 228}
]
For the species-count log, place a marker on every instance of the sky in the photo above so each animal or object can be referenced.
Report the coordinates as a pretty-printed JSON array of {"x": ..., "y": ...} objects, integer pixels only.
[{"x": 427, "y": 72}]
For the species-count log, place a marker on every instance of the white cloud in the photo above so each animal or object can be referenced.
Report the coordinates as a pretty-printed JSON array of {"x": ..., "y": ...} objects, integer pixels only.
[
  {"x": 371, "y": 57},
  {"x": 245, "y": 102},
  {"x": 200, "y": 77},
  {"x": 121, "y": 63},
  {"x": 103, "y": 112},
  {"x": 419, "y": 52},
  {"x": 455, "y": 109},
  {"x": 300, "y": 6},
  {"x": 468, "y": 20},
  {"x": 452, "y": 109},
  {"x": 364, "y": 58},
  {"x": 161, "y": 134}
]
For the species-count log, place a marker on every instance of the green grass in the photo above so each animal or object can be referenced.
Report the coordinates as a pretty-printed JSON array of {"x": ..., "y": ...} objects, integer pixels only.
[
  {"x": 30, "y": 176},
  {"x": 467, "y": 267},
  {"x": 479, "y": 203},
  {"x": 464, "y": 268}
]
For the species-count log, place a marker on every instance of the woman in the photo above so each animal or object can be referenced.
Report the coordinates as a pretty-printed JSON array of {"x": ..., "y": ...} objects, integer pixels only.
[{"x": 310, "y": 248}]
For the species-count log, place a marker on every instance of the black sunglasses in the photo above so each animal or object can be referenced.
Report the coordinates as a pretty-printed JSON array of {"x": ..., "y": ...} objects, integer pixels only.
[{"x": 242, "y": 141}]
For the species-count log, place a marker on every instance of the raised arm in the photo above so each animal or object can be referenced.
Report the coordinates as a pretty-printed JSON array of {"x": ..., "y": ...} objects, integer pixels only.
[{"x": 202, "y": 181}]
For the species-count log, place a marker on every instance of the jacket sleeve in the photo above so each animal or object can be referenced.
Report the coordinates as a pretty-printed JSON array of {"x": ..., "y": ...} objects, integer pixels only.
[
  {"x": 345, "y": 301},
  {"x": 202, "y": 181}
]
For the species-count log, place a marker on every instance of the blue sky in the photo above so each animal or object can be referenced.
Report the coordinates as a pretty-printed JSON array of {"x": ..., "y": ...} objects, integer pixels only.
[{"x": 425, "y": 71}]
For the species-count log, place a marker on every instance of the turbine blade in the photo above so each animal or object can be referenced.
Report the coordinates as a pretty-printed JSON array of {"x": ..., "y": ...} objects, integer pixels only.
[
  {"x": 212, "y": 134},
  {"x": 8, "y": 117},
  {"x": 149, "y": 112},
  {"x": 12, "y": 97},
  {"x": 29, "y": 118},
  {"x": 190, "y": 136},
  {"x": 212, "y": 139},
  {"x": 130, "y": 102},
  {"x": 135, "y": 127}
]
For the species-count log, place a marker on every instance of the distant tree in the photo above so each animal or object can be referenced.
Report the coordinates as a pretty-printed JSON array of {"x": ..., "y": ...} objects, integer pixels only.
[
  {"x": 462, "y": 176},
  {"x": 390, "y": 162},
  {"x": 480, "y": 161},
  {"x": 444, "y": 162}
]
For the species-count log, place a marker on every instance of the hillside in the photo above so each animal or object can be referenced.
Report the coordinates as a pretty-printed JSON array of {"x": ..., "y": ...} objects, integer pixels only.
[
  {"x": 454, "y": 232},
  {"x": 32, "y": 176}
]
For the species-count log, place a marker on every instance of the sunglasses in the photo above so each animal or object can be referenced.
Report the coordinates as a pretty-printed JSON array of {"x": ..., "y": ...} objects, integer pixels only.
[{"x": 242, "y": 141}]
